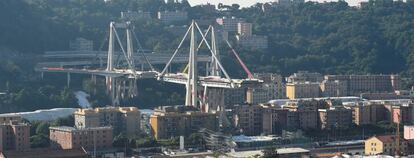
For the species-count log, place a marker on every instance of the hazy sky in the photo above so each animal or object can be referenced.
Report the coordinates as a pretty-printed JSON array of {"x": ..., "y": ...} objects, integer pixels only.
[{"x": 245, "y": 3}]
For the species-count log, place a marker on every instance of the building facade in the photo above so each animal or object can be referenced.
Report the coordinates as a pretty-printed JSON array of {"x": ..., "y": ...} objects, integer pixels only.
[
  {"x": 275, "y": 120},
  {"x": 275, "y": 84},
  {"x": 249, "y": 119},
  {"x": 175, "y": 16},
  {"x": 244, "y": 29},
  {"x": 253, "y": 41},
  {"x": 358, "y": 84},
  {"x": 14, "y": 136},
  {"x": 307, "y": 116},
  {"x": 335, "y": 118},
  {"x": 409, "y": 132},
  {"x": 6, "y": 118},
  {"x": 88, "y": 138},
  {"x": 385, "y": 145},
  {"x": 134, "y": 16},
  {"x": 229, "y": 24},
  {"x": 234, "y": 96},
  {"x": 122, "y": 119},
  {"x": 333, "y": 88},
  {"x": 302, "y": 90},
  {"x": 305, "y": 76},
  {"x": 173, "y": 121}
]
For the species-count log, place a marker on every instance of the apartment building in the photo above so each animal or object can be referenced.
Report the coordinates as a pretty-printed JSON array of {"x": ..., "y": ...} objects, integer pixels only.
[
  {"x": 333, "y": 88},
  {"x": 275, "y": 120},
  {"x": 253, "y": 42},
  {"x": 305, "y": 76},
  {"x": 172, "y": 16},
  {"x": 400, "y": 113},
  {"x": 244, "y": 29},
  {"x": 14, "y": 135},
  {"x": 367, "y": 83},
  {"x": 173, "y": 121},
  {"x": 273, "y": 82},
  {"x": 64, "y": 137},
  {"x": 134, "y": 16},
  {"x": 307, "y": 116},
  {"x": 368, "y": 114},
  {"x": 229, "y": 24},
  {"x": 302, "y": 90},
  {"x": 122, "y": 119},
  {"x": 249, "y": 119},
  {"x": 6, "y": 118},
  {"x": 334, "y": 118},
  {"x": 259, "y": 95},
  {"x": 409, "y": 132},
  {"x": 234, "y": 96}
]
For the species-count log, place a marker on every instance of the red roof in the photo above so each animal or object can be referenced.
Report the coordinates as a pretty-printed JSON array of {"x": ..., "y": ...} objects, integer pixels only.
[{"x": 386, "y": 138}]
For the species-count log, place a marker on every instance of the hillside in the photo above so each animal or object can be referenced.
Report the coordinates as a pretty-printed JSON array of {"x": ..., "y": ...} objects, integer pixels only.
[{"x": 328, "y": 38}]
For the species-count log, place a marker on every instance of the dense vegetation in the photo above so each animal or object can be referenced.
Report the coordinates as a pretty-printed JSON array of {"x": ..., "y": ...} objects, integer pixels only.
[{"x": 328, "y": 38}]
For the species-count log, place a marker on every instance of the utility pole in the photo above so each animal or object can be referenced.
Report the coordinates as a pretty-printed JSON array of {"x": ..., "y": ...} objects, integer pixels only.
[{"x": 397, "y": 135}]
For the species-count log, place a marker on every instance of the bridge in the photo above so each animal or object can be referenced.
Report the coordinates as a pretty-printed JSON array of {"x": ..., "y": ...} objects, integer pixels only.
[
  {"x": 122, "y": 66},
  {"x": 99, "y": 58}
]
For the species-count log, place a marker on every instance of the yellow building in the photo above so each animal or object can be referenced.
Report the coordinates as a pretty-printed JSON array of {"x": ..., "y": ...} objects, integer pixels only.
[
  {"x": 302, "y": 90},
  {"x": 384, "y": 145},
  {"x": 122, "y": 119}
]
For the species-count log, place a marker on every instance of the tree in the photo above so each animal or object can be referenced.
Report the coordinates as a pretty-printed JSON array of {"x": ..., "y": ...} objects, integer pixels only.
[
  {"x": 270, "y": 153},
  {"x": 39, "y": 141},
  {"x": 43, "y": 129},
  {"x": 120, "y": 140},
  {"x": 64, "y": 121}
]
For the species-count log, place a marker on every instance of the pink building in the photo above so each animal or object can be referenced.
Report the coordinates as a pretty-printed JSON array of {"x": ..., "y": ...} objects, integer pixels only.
[{"x": 409, "y": 132}]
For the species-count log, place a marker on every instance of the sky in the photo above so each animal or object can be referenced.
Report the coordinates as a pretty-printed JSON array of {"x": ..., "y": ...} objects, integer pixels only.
[{"x": 246, "y": 3}]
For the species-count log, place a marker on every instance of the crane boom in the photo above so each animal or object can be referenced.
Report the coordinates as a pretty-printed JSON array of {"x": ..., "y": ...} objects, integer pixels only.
[{"x": 249, "y": 74}]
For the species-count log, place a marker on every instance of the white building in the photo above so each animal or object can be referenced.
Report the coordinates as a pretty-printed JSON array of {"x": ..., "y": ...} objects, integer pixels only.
[
  {"x": 244, "y": 28},
  {"x": 229, "y": 24},
  {"x": 169, "y": 17},
  {"x": 133, "y": 16}
]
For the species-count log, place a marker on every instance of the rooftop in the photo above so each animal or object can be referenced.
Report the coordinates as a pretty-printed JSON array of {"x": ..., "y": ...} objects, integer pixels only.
[
  {"x": 252, "y": 153},
  {"x": 245, "y": 139},
  {"x": 291, "y": 150},
  {"x": 107, "y": 109},
  {"x": 385, "y": 138},
  {"x": 70, "y": 129}
]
